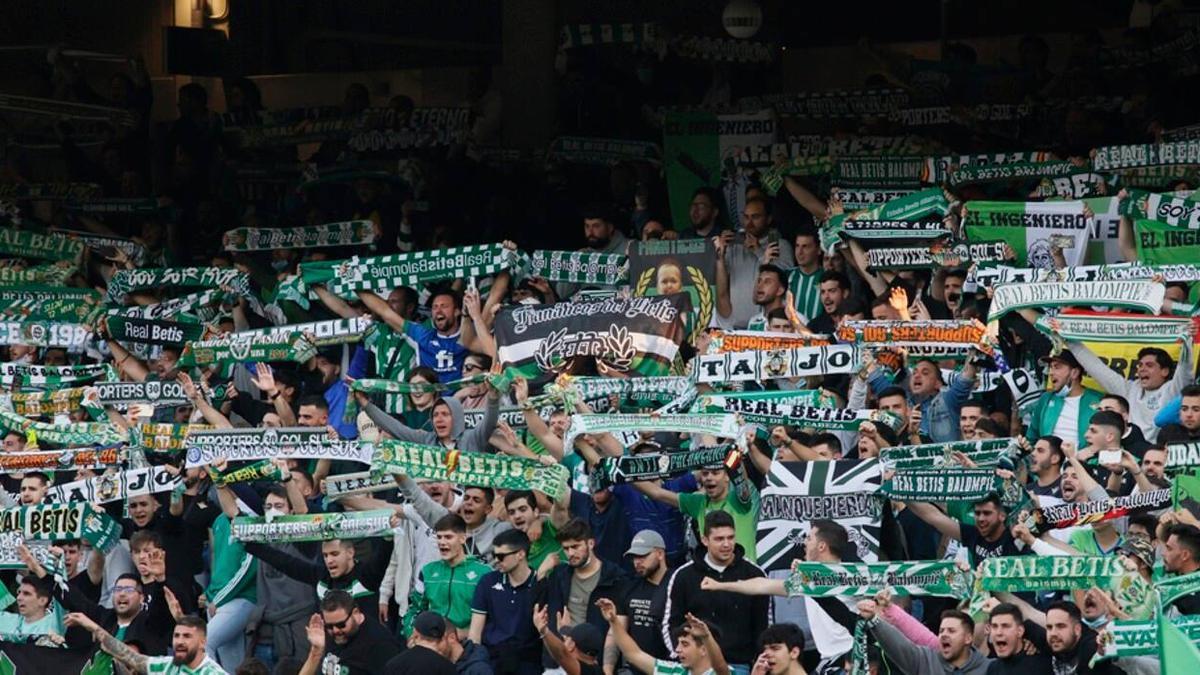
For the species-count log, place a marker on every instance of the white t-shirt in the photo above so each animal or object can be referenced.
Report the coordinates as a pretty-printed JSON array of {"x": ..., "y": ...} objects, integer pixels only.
[{"x": 1067, "y": 426}]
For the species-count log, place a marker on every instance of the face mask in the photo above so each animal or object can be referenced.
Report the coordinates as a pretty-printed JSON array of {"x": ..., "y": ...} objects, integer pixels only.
[
  {"x": 279, "y": 265},
  {"x": 1062, "y": 393},
  {"x": 272, "y": 514},
  {"x": 1097, "y": 622}
]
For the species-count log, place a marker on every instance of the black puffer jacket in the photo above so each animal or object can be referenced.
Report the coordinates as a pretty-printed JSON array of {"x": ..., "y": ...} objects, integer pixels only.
[{"x": 739, "y": 618}]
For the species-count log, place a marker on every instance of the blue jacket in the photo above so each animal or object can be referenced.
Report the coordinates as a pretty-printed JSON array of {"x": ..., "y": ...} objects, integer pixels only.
[{"x": 939, "y": 413}]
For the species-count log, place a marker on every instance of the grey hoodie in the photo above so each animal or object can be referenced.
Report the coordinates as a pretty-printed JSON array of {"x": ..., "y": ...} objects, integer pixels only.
[
  {"x": 924, "y": 660},
  {"x": 479, "y": 540},
  {"x": 465, "y": 440}
]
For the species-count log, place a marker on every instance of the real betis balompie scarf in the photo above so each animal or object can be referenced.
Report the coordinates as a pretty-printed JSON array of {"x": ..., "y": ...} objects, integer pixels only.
[
  {"x": 314, "y": 526},
  {"x": 155, "y": 332},
  {"x": 721, "y": 426},
  {"x": 469, "y": 468},
  {"x": 1140, "y": 638},
  {"x": 53, "y": 402},
  {"x": 932, "y": 455},
  {"x": 640, "y": 389},
  {"x": 938, "y": 255},
  {"x": 914, "y": 578},
  {"x": 112, "y": 487},
  {"x": 1115, "y": 327},
  {"x": 67, "y": 459},
  {"x": 327, "y": 332},
  {"x": 254, "y": 444},
  {"x": 56, "y": 522},
  {"x": 761, "y": 402},
  {"x": 382, "y": 274},
  {"x": 650, "y": 466},
  {"x": 913, "y": 206},
  {"x": 260, "y": 470},
  {"x": 44, "y": 246},
  {"x": 83, "y": 433},
  {"x": 941, "y": 485},
  {"x": 1174, "y": 211},
  {"x": 994, "y": 173},
  {"x": 348, "y": 233},
  {"x": 237, "y": 348},
  {"x": 772, "y": 177},
  {"x": 1081, "y": 513},
  {"x": 10, "y": 294},
  {"x": 1053, "y": 572},
  {"x": 54, "y": 377},
  {"x": 1171, "y": 588},
  {"x": 878, "y": 171},
  {"x": 1113, "y": 157},
  {"x": 1164, "y": 244},
  {"x": 912, "y": 333},
  {"x": 856, "y": 199},
  {"x": 127, "y": 281},
  {"x": 771, "y": 364},
  {"x": 752, "y": 340},
  {"x": 810, "y": 417},
  {"x": 1029, "y": 227},
  {"x": 602, "y": 151},
  {"x": 1143, "y": 295},
  {"x": 995, "y": 276},
  {"x": 49, "y": 191},
  {"x": 579, "y": 267}
]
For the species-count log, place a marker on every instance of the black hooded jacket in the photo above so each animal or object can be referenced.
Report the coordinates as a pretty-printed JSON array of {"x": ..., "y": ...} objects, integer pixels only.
[{"x": 739, "y": 618}]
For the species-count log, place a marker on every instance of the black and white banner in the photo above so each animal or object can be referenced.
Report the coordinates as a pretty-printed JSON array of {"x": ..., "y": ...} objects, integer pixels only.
[
  {"x": 777, "y": 363},
  {"x": 114, "y": 487},
  {"x": 251, "y": 444}
]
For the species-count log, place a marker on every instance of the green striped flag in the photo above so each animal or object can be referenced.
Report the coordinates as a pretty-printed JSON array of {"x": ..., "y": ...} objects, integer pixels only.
[
  {"x": 1160, "y": 243},
  {"x": 1176, "y": 652}
]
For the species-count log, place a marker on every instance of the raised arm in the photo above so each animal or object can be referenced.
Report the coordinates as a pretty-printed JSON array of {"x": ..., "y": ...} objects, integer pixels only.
[
  {"x": 630, "y": 649},
  {"x": 808, "y": 200},
  {"x": 937, "y": 519},
  {"x": 121, "y": 652},
  {"x": 381, "y": 310},
  {"x": 199, "y": 402},
  {"x": 335, "y": 304},
  {"x": 724, "y": 304},
  {"x": 657, "y": 492},
  {"x": 127, "y": 363},
  {"x": 754, "y": 586},
  {"x": 1112, "y": 381}
]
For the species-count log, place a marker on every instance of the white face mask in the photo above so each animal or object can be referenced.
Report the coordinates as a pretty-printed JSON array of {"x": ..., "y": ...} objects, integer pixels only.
[{"x": 270, "y": 514}]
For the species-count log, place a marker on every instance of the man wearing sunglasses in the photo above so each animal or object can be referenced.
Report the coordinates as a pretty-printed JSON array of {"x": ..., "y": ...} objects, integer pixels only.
[
  {"x": 342, "y": 640},
  {"x": 501, "y": 611},
  {"x": 127, "y": 621}
]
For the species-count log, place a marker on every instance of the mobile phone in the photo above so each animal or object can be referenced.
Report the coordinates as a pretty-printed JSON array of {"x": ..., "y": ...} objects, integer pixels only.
[{"x": 1110, "y": 457}]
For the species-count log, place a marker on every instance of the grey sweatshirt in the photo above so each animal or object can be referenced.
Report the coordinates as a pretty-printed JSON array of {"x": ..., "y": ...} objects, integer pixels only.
[
  {"x": 465, "y": 440},
  {"x": 479, "y": 540},
  {"x": 924, "y": 660}
]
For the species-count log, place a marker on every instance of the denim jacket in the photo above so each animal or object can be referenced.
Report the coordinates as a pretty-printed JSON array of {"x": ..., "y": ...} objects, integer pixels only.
[{"x": 939, "y": 413}]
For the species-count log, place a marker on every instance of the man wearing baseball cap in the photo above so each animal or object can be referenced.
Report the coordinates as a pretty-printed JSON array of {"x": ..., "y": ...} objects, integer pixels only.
[
  {"x": 1064, "y": 410},
  {"x": 578, "y": 651},
  {"x": 640, "y": 607},
  {"x": 424, "y": 653}
]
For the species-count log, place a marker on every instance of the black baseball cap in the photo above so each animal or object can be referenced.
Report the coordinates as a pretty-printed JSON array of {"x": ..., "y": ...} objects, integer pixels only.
[
  {"x": 430, "y": 625},
  {"x": 1065, "y": 356},
  {"x": 588, "y": 639}
]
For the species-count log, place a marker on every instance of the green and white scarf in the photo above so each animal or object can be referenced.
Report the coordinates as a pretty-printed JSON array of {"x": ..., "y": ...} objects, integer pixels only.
[
  {"x": 993, "y": 173},
  {"x": 345, "y": 484},
  {"x": 579, "y": 267},
  {"x": 985, "y": 453},
  {"x": 261, "y": 470},
  {"x": 1181, "y": 456},
  {"x": 132, "y": 249},
  {"x": 198, "y": 303},
  {"x": 327, "y": 332},
  {"x": 720, "y": 426},
  {"x": 651, "y": 466},
  {"x": 348, "y": 233},
  {"x": 871, "y": 230},
  {"x": 761, "y": 402},
  {"x": 57, "y": 310},
  {"x": 44, "y": 246},
  {"x": 1171, "y": 588},
  {"x": 1177, "y": 211},
  {"x": 1114, "y": 328},
  {"x": 591, "y": 34},
  {"x": 51, "y": 274},
  {"x": 54, "y": 377},
  {"x": 82, "y": 433},
  {"x": 995, "y": 276},
  {"x": 238, "y": 348},
  {"x": 1144, "y": 295},
  {"x": 926, "y": 257},
  {"x": 777, "y": 363},
  {"x": 1140, "y": 638},
  {"x": 55, "y": 402},
  {"x": 773, "y": 177},
  {"x": 163, "y": 438},
  {"x": 878, "y": 172},
  {"x": 914, "y": 578},
  {"x": 314, "y": 527},
  {"x": 127, "y": 281},
  {"x": 810, "y": 417},
  {"x": 382, "y": 274},
  {"x": 638, "y": 389},
  {"x": 49, "y": 191},
  {"x": 56, "y": 522},
  {"x": 1010, "y": 574},
  {"x": 1113, "y": 157},
  {"x": 856, "y": 199},
  {"x": 381, "y": 386},
  {"x": 44, "y": 292},
  {"x": 134, "y": 206},
  {"x": 71, "y": 336},
  {"x": 940, "y": 485},
  {"x": 602, "y": 151},
  {"x": 254, "y": 444},
  {"x": 469, "y": 468}
]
